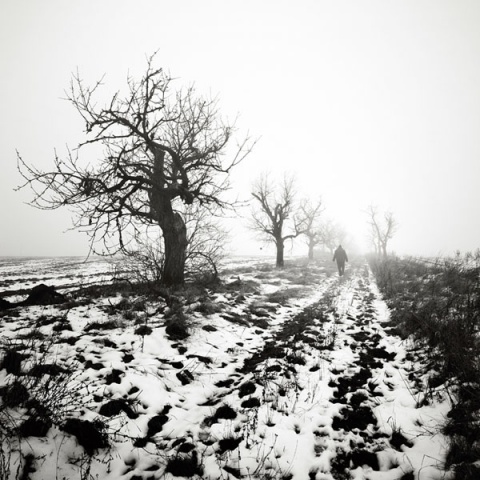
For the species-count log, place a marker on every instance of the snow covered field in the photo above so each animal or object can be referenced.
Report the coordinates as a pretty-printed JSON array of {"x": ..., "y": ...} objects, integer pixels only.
[
  {"x": 285, "y": 374},
  {"x": 18, "y": 274}
]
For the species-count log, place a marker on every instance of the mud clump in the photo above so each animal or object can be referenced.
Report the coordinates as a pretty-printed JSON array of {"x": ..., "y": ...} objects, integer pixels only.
[
  {"x": 44, "y": 295},
  {"x": 90, "y": 435}
]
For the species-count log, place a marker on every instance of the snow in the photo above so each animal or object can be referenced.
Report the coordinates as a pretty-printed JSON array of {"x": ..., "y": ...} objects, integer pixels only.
[{"x": 327, "y": 400}]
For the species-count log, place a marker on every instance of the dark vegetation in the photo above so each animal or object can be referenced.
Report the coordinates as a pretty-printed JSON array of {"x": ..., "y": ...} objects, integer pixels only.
[{"x": 437, "y": 303}]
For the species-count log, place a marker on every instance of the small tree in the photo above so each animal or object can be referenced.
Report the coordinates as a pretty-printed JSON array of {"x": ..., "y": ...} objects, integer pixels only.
[
  {"x": 159, "y": 147},
  {"x": 332, "y": 235},
  {"x": 273, "y": 213},
  {"x": 381, "y": 230},
  {"x": 308, "y": 218}
]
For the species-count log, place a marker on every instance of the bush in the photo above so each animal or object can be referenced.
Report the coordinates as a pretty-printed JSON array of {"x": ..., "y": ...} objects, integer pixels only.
[
  {"x": 438, "y": 304},
  {"x": 48, "y": 390}
]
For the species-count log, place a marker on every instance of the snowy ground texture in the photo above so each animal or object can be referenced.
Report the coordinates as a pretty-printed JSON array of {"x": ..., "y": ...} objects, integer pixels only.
[{"x": 286, "y": 374}]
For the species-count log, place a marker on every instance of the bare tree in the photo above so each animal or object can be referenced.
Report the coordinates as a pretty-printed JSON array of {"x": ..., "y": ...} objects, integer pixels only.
[
  {"x": 382, "y": 230},
  {"x": 159, "y": 147},
  {"x": 273, "y": 214},
  {"x": 332, "y": 234},
  {"x": 308, "y": 218}
]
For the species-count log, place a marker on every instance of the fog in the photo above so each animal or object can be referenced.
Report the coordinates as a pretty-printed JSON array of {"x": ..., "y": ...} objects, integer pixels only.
[{"x": 365, "y": 103}]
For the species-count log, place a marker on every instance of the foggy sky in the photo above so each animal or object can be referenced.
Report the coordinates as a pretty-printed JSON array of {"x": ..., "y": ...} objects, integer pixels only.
[{"x": 366, "y": 102}]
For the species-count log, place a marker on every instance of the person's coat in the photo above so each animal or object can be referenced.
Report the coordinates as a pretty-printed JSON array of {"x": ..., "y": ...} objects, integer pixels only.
[{"x": 340, "y": 255}]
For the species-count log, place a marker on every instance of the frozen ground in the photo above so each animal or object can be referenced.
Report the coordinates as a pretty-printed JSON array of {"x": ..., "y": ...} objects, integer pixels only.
[
  {"x": 19, "y": 274},
  {"x": 292, "y": 374}
]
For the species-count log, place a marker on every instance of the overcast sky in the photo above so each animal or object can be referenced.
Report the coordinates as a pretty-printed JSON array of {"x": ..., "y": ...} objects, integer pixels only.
[{"x": 367, "y": 102}]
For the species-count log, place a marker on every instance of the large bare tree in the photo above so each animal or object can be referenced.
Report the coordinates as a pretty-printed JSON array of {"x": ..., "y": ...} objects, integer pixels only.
[
  {"x": 159, "y": 146},
  {"x": 308, "y": 218},
  {"x": 381, "y": 229},
  {"x": 273, "y": 213}
]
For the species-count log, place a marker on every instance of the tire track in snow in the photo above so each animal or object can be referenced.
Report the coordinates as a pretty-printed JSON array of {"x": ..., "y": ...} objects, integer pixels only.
[
  {"x": 304, "y": 405},
  {"x": 370, "y": 388}
]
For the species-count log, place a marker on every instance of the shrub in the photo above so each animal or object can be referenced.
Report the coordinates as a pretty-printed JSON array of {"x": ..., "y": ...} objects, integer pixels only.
[
  {"x": 45, "y": 387},
  {"x": 438, "y": 304}
]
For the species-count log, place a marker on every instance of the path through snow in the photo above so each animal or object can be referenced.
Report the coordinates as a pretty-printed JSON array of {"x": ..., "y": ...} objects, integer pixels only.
[{"x": 326, "y": 391}]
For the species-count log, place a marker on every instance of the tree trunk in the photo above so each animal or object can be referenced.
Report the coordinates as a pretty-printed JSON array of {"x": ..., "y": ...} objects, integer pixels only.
[
  {"x": 310, "y": 251},
  {"x": 175, "y": 241},
  {"x": 280, "y": 249},
  {"x": 172, "y": 225}
]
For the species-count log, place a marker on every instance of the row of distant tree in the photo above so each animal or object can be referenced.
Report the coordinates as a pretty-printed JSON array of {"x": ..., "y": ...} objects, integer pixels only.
[
  {"x": 165, "y": 158},
  {"x": 278, "y": 217}
]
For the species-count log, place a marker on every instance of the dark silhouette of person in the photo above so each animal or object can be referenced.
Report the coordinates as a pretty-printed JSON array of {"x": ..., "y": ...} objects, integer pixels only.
[{"x": 340, "y": 256}]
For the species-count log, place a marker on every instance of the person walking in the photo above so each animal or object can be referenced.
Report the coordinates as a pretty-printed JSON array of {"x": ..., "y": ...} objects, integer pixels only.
[{"x": 340, "y": 256}]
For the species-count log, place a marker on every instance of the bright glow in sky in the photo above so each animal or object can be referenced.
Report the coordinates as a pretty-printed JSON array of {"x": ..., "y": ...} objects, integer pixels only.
[{"x": 371, "y": 102}]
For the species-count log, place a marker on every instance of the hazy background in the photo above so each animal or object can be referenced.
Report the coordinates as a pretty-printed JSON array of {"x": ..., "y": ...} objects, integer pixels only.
[{"x": 368, "y": 102}]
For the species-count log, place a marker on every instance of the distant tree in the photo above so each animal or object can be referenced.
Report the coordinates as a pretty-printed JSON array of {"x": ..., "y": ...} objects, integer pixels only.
[
  {"x": 308, "y": 219},
  {"x": 273, "y": 213},
  {"x": 160, "y": 147},
  {"x": 381, "y": 229},
  {"x": 332, "y": 235}
]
